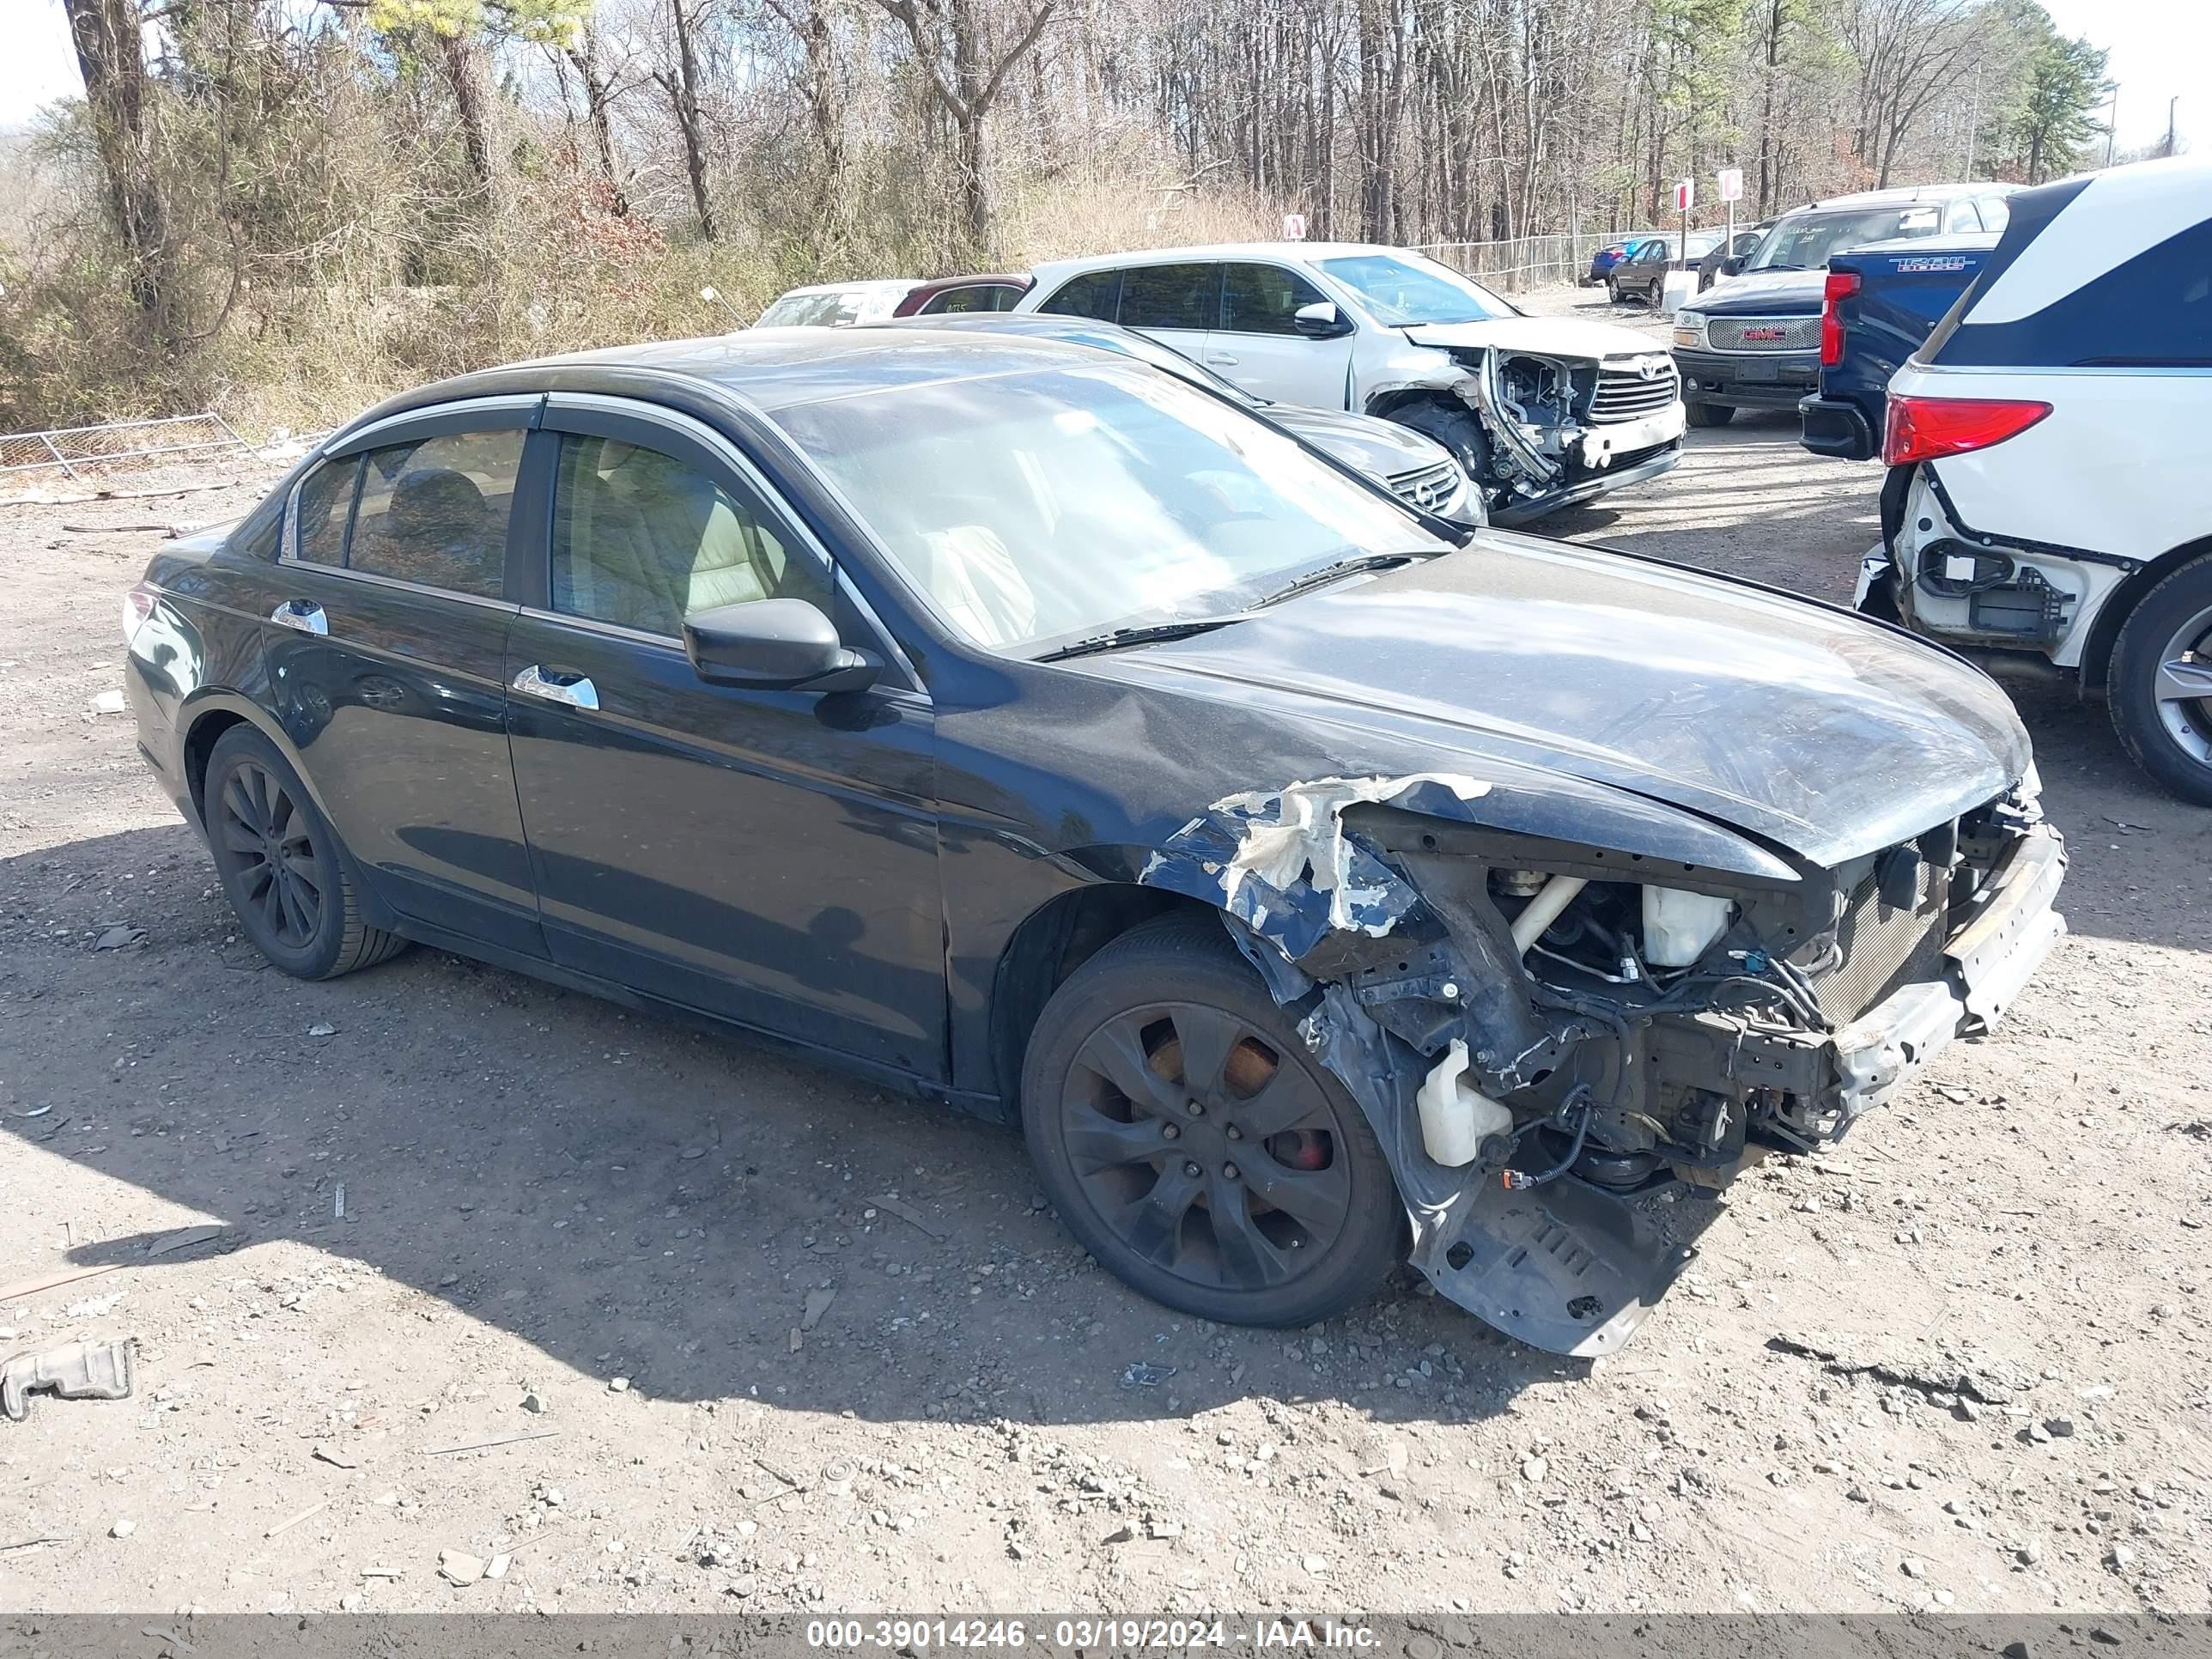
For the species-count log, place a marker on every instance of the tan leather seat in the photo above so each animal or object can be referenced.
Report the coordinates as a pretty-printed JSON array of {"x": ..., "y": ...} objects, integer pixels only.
[{"x": 653, "y": 540}]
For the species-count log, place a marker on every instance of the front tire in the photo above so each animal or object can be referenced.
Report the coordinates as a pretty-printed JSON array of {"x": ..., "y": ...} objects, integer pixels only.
[
  {"x": 1710, "y": 414},
  {"x": 281, "y": 866},
  {"x": 1192, "y": 1142},
  {"x": 1457, "y": 430},
  {"x": 2159, "y": 684}
]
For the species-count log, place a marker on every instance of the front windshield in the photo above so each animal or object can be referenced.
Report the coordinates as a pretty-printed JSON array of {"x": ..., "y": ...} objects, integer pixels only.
[
  {"x": 1048, "y": 505},
  {"x": 1403, "y": 290},
  {"x": 838, "y": 308},
  {"x": 1805, "y": 244}
]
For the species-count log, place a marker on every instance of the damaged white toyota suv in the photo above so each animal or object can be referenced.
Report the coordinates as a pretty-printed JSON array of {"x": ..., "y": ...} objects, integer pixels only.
[{"x": 1543, "y": 412}]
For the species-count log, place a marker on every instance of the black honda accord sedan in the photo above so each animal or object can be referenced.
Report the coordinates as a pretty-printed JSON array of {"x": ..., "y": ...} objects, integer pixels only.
[{"x": 1029, "y": 728}]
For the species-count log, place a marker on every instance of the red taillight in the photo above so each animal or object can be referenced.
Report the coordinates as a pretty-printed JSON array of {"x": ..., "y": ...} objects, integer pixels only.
[
  {"x": 1923, "y": 428},
  {"x": 1840, "y": 285},
  {"x": 137, "y": 605}
]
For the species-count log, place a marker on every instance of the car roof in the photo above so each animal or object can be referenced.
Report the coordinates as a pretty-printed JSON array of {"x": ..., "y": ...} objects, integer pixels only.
[
  {"x": 1288, "y": 252},
  {"x": 1901, "y": 196},
  {"x": 1006, "y": 279},
  {"x": 767, "y": 369}
]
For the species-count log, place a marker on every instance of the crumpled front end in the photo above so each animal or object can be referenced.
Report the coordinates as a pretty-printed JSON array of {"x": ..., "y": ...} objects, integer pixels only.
[
  {"x": 1539, "y": 1031},
  {"x": 1564, "y": 429}
]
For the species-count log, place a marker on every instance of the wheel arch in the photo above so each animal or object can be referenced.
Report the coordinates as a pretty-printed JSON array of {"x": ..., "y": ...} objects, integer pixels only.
[
  {"x": 201, "y": 726},
  {"x": 1050, "y": 944},
  {"x": 2113, "y": 614},
  {"x": 1387, "y": 405}
]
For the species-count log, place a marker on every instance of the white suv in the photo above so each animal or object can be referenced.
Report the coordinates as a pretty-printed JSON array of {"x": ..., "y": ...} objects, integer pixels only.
[
  {"x": 2048, "y": 451},
  {"x": 1541, "y": 411}
]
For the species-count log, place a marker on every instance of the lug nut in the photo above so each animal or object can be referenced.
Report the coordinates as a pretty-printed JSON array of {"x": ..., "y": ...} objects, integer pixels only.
[
  {"x": 1193, "y": 1108},
  {"x": 1229, "y": 1171},
  {"x": 1233, "y": 1133},
  {"x": 1169, "y": 1131},
  {"x": 1191, "y": 1170}
]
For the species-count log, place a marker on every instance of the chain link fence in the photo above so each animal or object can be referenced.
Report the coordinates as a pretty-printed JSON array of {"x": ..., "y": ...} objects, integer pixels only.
[
  {"x": 77, "y": 450},
  {"x": 1527, "y": 262}
]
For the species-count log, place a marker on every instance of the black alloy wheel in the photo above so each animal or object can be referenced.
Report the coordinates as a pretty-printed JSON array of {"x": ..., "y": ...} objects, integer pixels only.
[
  {"x": 1192, "y": 1141},
  {"x": 267, "y": 845},
  {"x": 281, "y": 866}
]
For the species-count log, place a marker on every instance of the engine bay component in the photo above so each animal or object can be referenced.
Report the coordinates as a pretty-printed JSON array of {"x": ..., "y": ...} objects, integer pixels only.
[
  {"x": 1679, "y": 928},
  {"x": 1458, "y": 1120}
]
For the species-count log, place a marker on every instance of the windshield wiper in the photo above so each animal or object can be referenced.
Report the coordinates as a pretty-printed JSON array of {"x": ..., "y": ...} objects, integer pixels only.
[
  {"x": 1341, "y": 568},
  {"x": 1115, "y": 639}
]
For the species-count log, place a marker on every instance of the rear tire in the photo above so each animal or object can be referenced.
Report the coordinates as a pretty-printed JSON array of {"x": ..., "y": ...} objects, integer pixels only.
[
  {"x": 283, "y": 869},
  {"x": 2166, "y": 644},
  {"x": 1710, "y": 414},
  {"x": 1189, "y": 1139},
  {"x": 1613, "y": 290}
]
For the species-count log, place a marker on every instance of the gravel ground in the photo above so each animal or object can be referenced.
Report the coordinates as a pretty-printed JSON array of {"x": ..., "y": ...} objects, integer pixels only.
[{"x": 785, "y": 1343}]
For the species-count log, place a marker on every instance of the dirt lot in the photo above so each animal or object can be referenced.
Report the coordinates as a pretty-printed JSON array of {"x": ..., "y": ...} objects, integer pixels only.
[{"x": 561, "y": 1221}]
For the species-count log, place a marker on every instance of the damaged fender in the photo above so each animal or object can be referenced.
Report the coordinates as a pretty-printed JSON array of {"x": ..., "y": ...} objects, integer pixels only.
[{"x": 1562, "y": 1266}]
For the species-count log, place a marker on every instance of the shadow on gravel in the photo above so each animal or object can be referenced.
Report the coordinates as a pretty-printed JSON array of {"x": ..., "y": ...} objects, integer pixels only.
[{"x": 630, "y": 1196}]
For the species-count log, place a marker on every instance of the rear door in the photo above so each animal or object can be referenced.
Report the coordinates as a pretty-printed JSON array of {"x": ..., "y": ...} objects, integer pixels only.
[
  {"x": 1258, "y": 344},
  {"x": 386, "y": 651},
  {"x": 769, "y": 856},
  {"x": 1178, "y": 305}
]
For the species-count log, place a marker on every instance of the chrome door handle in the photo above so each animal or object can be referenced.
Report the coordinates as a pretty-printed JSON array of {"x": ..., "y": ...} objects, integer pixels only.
[
  {"x": 1221, "y": 358},
  {"x": 574, "y": 689},
  {"x": 302, "y": 614}
]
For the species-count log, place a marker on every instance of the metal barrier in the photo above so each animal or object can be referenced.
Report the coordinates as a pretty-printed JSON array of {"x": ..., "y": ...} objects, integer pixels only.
[
  {"x": 75, "y": 449},
  {"x": 1521, "y": 262}
]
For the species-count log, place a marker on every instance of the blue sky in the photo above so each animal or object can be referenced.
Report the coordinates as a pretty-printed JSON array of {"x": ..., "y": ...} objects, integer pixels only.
[{"x": 2161, "y": 48}]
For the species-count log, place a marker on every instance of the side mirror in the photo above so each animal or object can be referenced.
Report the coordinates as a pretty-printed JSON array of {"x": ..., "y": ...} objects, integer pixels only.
[
  {"x": 773, "y": 645},
  {"x": 1320, "y": 321},
  {"x": 1732, "y": 264}
]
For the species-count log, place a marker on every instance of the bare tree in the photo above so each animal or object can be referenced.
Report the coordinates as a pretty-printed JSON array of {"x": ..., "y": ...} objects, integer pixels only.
[
  {"x": 682, "y": 85},
  {"x": 111, "y": 53},
  {"x": 586, "y": 52},
  {"x": 952, "y": 42}
]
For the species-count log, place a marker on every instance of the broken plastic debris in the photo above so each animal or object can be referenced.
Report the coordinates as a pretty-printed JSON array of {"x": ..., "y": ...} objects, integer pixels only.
[
  {"x": 1141, "y": 1375},
  {"x": 1280, "y": 862},
  {"x": 79, "y": 1371}
]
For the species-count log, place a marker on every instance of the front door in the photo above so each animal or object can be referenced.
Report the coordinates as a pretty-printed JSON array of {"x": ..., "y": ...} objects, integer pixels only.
[
  {"x": 767, "y": 856},
  {"x": 1258, "y": 346},
  {"x": 386, "y": 642}
]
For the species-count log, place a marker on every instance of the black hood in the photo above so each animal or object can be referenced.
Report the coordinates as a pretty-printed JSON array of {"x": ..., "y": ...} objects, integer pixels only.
[{"x": 1814, "y": 730}]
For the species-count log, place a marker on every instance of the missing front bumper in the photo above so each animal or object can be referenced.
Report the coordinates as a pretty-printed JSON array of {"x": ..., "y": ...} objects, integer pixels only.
[{"x": 1985, "y": 963}]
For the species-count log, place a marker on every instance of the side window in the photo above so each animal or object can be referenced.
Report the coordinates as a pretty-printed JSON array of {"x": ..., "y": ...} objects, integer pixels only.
[
  {"x": 1960, "y": 215},
  {"x": 1095, "y": 295},
  {"x": 641, "y": 539},
  {"x": 434, "y": 511},
  {"x": 1261, "y": 299},
  {"x": 1995, "y": 211},
  {"x": 1171, "y": 296},
  {"x": 326, "y": 502}
]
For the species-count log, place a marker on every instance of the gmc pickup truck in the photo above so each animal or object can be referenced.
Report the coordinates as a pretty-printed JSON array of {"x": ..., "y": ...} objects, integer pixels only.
[{"x": 1879, "y": 304}]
